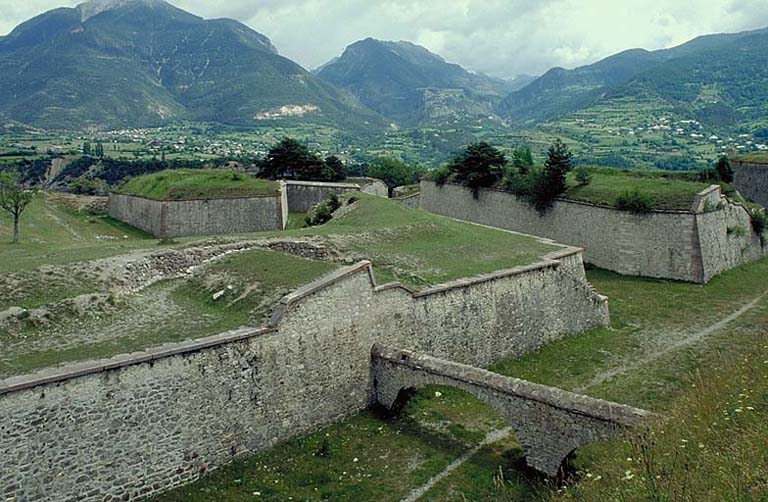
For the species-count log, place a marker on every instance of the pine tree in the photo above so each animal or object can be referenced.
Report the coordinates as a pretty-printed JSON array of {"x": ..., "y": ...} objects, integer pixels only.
[
  {"x": 86, "y": 148},
  {"x": 725, "y": 169},
  {"x": 522, "y": 159},
  {"x": 479, "y": 166},
  {"x": 557, "y": 166}
]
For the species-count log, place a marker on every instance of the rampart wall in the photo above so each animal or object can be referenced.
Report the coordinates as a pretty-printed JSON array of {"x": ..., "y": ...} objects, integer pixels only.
[
  {"x": 304, "y": 195},
  {"x": 139, "y": 424},
  {"x": 696, "y": 245},
  {"x": 180, "y": 218},
  {"x": 751, "y": 180}
]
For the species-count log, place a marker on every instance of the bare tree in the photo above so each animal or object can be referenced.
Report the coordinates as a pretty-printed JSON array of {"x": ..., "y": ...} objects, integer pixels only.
[{"x": 14, "y": 198}]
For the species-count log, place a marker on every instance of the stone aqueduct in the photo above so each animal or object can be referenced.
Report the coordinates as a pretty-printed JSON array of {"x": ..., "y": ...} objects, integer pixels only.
[{"x": 549, "y": 423}]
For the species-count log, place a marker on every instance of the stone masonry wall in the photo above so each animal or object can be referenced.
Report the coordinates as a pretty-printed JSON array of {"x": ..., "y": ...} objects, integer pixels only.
[
  {"x": 144, "y": 214},
  {"x": 167, "y": 219},
  {"x": 412, "y": 201},
  {"x": 139, "y": 424},
  {"x": 304, "y": 195},
  {"x": 687, "y": 246},
  {"x": 751, "y": 180}
]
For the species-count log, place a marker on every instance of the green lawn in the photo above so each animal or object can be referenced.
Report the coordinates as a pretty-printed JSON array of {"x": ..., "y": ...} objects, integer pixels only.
[
  {"x": 422, "y": 249},
  {"x": 608, "y": 184},
  {"x": 699, "y": 385},
  {"x": 51, "y": 234},
  {"x": 182, "y": 184}
]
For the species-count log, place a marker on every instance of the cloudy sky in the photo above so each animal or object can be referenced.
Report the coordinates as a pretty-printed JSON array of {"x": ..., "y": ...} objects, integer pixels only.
[{"x": 499, "y": 37}]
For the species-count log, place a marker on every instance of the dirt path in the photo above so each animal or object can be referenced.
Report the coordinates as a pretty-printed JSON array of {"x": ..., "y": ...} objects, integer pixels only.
[
  {"x": 71, "y": 231},
  {"x": 492, "y": 437},
  {"x": 659, "y": 351},
  {"x": 664, "y": 349}
]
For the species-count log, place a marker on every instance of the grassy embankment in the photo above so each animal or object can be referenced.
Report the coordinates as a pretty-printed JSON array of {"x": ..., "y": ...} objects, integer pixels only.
[
  {"x": 712, "y": 386},
  {"x": 183, "y": 184},
  {"x": 53, "y": 233},
  {"x": 665, "y": 191},
  {"x": 755, "y": 158}
]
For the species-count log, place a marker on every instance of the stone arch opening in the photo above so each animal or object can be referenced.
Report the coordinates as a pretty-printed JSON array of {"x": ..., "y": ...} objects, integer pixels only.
[
  {"x": 460, "y": 415},
  {"x": 549, "y": 423}
]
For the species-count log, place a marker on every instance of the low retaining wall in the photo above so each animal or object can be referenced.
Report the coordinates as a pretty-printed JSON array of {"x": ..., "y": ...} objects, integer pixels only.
[
  {"x": 751, "y": 180},
  {"x": 139, "y": 424},
  {"x": 181, "y": 218},
  {"x": 372, "y": 186},
  {"x": 412, "y": 201},
  {"x": 716, "y": 235}
]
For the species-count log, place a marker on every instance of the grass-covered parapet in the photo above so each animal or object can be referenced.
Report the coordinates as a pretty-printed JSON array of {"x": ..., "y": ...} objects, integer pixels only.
[
  {"x": 753, "y": 158},
  {"x": 609, "y": 187},
  {"x": 185, "y": 184}
]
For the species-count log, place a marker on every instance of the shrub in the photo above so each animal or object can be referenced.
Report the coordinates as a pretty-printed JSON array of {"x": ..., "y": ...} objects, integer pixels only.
[
  {"x": 88, "y": 186},
  {"x": 393, "y": 172},
  {"x": 441, "y": 175},
  {"x": 759, "y": 222},
  {"x": 323, "y": 212},
  {"x": 708, "y": 174},
  {"x": 583, "y": 177},
  {"x": 737, "y": 231},
  {"x": 635, "y": 201},
  {"x": 520, "y": 185},
  {"x": 549, "y": 183}
]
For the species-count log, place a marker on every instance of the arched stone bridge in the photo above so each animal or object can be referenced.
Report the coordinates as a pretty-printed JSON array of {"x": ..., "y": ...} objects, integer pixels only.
[{"x": 549, "y": 423}]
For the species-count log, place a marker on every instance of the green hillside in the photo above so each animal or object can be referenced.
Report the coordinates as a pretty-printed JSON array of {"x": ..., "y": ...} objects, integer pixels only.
[{"x": 719, "y": 80}]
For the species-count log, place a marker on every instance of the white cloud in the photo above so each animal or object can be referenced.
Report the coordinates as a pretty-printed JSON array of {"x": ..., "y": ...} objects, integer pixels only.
[{"x": 501, "y": 37}]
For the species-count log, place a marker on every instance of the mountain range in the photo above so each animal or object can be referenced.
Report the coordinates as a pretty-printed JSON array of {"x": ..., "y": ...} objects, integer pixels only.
[
  {"x": 718, "y": 79},
  {"x": 123, "y": 63},
  {"x": 129, "y": 63},
  {"x": 412, "y": 86}
]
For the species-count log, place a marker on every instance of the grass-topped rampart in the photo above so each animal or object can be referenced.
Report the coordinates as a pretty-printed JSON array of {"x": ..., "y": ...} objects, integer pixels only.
[
  {"x": 186, "y": 184},
  {"x": 665, "y": 191},
  {"x": 753, "y": 158}
]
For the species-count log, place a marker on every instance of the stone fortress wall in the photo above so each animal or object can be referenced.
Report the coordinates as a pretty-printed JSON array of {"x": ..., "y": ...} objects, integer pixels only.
[
  {"x": 181, "y": 218},
  {"x": 696, "y": 245},
  {"x": 304, "y": 195},
  {"x": 751, "y": 180},
  {"x": 139, "y": 424}
]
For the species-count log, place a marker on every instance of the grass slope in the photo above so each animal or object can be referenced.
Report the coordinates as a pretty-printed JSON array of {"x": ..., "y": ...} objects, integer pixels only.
[
  {"x": 404, "y": 244},
  {"x": 183, "y": 184},
  {"x": 52, "y": 233},
  {"x": 170, "y": 311},
  {"x": 422, "y": 249},
  {"x": 608, "y": 184}
]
